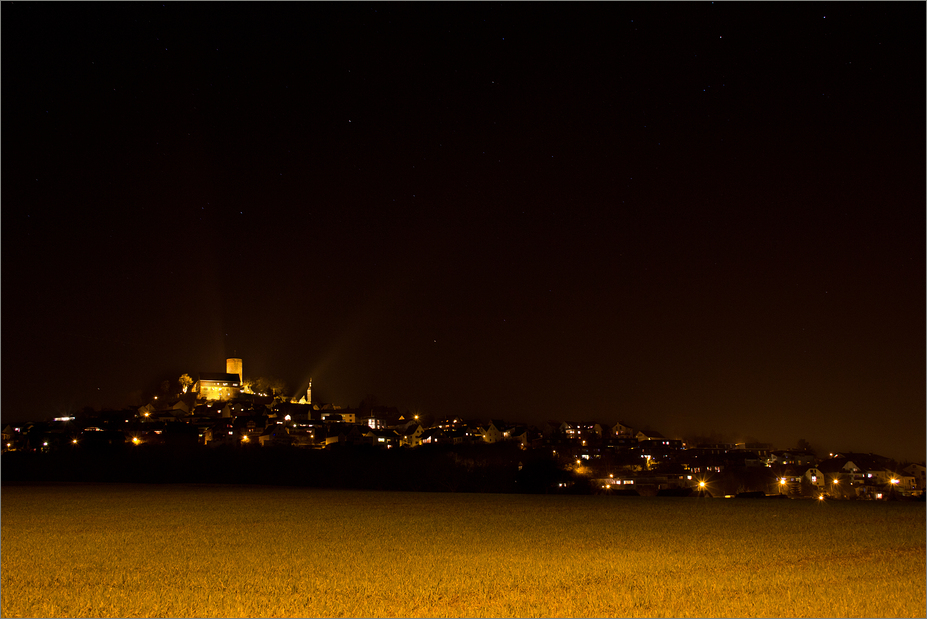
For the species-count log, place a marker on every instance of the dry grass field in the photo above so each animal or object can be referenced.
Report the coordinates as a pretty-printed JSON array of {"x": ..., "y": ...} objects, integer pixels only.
[{"x": 217, "y": 551}]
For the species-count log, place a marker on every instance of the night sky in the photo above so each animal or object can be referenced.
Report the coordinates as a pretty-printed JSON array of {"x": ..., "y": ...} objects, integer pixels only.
[{"x": 696, "y": 218}]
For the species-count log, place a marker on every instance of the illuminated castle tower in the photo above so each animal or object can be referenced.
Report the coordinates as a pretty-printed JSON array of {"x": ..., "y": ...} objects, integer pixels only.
[
  {"x": 309, "y": 393},
  {"x": 233, "y": 366}
]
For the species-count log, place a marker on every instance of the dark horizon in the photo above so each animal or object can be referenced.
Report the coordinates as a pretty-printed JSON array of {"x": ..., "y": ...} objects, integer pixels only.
[{"x": 701, "y": 218}]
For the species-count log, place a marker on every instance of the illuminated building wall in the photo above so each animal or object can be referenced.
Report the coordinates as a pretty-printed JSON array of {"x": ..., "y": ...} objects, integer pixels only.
[{"x": 215, "y": 386}]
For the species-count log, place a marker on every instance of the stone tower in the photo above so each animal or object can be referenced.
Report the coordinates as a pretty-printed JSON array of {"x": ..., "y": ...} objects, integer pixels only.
[
  {"x": 309, "y": 393},
  {"x": 233, "y": 366}
]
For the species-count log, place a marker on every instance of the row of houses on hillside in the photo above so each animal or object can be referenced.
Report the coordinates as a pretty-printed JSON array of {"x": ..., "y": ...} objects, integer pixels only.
[{"x": 603, "y": 448}]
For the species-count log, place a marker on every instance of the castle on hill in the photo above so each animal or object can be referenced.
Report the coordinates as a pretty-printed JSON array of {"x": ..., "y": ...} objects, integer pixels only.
[{"x": 230, "y": 384}]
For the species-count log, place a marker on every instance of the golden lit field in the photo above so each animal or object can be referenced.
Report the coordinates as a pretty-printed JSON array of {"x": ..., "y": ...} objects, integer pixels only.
[{"x": 216, "y": 551}]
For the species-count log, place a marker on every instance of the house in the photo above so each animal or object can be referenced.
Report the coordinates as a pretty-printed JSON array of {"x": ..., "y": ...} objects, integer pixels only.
[
  {"x": 146, "y": 410},
  {"x": 761, "y": 449},
  {"x": 793, "y": 458},
  {"x": 306, "y": 436},
  {"x": 484, "y": 431},
  {"x": 412, "y": 435},
  {"x": 906, "y": 484},
  {"x": 821, "y": 480},
  {"x": 622, "y": 430},
  {"x": 661, "y": 443},
  {"x": 219, "y": 433},
  {"x": 275, "y": 434},
  {"x": 302, "y": 412},
  {"x": 182, "y": 405},
  {"x": 166, "y": 415},
  {"x": 334, "y": 435},
  {"x": 383, "y": 437},
  {"x": 7, "y": 437},
  {"x": 791, "y": 479},
  {"x": 431, "y": 436},
  {"x": 914, "y": 470},
  {"x": 449, "y": 423},
  {"x": 621, "y": 444},
  {"x": 554, "y": 429},
  {"x": 518, "y": 433},
  {"x": 649, "y": 435},
  {"x": 249, "y": 427},
  {"x": 580, "y": 431},
  {"x": 379, "y": 417},
  {"x": 345, "y": 434}
]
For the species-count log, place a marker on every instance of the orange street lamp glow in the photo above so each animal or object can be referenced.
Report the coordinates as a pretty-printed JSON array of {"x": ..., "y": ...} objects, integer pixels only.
[
  {"x": 136, "y": 440},
  {"x": 701, "y": 484},
  {"x": 894, "y": 481}
]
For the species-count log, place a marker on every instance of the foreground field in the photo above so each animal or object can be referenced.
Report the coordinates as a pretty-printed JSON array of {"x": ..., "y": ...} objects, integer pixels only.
[{"x": 211, "y": 551}]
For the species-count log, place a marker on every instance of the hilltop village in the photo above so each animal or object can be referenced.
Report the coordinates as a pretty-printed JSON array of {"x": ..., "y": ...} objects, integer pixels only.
[{"x": 221, "y": 410}]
